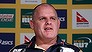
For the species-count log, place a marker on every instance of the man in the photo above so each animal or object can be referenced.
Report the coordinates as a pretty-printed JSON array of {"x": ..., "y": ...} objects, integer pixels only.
[{"x": 45, "y": 24}]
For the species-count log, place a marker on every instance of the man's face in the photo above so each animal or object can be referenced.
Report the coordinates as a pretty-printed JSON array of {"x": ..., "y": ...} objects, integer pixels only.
[{"x": 45, "y": 23}]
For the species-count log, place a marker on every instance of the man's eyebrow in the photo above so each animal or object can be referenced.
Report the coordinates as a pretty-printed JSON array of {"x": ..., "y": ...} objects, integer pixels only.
[{"x": 55, "y": 16}]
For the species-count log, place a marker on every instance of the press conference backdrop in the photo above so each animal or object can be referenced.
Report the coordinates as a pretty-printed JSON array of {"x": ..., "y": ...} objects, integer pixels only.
[{"x": 75, "y": 18}]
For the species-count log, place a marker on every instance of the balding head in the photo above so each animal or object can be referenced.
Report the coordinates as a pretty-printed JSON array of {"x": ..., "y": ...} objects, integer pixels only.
[{"x": 44, "y": 7}]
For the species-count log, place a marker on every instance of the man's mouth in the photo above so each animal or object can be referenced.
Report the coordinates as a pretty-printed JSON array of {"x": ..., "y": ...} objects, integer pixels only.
[{"x": 48, "y": 28}]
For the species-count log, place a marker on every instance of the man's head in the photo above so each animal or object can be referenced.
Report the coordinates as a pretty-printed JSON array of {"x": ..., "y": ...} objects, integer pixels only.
[{"x": 45, "y": 22}]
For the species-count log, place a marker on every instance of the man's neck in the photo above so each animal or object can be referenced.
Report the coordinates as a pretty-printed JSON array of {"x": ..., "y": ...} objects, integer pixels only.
[{"x": 46, "y": 43}]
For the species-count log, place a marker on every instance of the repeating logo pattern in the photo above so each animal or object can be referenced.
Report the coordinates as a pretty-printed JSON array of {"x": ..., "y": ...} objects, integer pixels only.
[{"x": 81, "y": 19}]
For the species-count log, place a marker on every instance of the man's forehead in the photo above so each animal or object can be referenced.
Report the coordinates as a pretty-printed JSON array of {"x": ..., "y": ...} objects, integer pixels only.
[{"x": 44, "y": 6}]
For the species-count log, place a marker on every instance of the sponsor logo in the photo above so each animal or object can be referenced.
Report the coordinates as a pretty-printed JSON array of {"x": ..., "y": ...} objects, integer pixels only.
[
  {"x": 26, "y": 16},
  {"x": 8, "y": 1},
  {"x": 17, "y": 50},
  {"x": 7, "y": 41},
  {"x": 57, "y": 2},
  {"x": 6, "y": 17},
  {"x": 81, "y": 21},
  {"x": 31, "y": 1},
  {"x": 80, "y": 42},
  {"x": 83, "y": 41},
  {"x": 81, "y": 18},
  {"x": 62, "y": 18},
  {"x": 82, "y": 1},
  {"x": 2, "y": 42},
  {"x": 25, "y": 37},
  {"x": 64, "y": 49}
]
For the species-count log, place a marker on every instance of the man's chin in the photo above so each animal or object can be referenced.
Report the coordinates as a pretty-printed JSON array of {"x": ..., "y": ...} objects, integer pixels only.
[{"x": 50, "y": 37}]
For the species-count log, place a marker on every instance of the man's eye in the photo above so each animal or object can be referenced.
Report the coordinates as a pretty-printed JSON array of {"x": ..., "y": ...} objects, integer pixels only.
[
  {"x": 53, "y": 18},
  {"x": 42, "y": 18}
]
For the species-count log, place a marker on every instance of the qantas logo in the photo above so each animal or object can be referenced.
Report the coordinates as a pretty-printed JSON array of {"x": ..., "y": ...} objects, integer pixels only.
[
  {"x": 81, "y": 21},
  {"x": 26, "y": 39},
  {"x": 80, "y": 18}
]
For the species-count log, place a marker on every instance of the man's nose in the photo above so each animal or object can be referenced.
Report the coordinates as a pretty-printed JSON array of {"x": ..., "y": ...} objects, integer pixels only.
[{"x": 48, "y": 22}]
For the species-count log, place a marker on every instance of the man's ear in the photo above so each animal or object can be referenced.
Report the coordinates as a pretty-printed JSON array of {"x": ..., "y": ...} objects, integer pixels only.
[
  {"x": 58, "y": 23},
  {"x": 31, "y": 24}
]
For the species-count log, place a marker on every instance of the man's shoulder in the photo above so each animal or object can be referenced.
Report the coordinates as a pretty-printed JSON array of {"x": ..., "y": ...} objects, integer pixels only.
[
  {"x": 67, "y": 46},
  {"x": 20, "y": 47},
  {"x": 71, "y": 46}
]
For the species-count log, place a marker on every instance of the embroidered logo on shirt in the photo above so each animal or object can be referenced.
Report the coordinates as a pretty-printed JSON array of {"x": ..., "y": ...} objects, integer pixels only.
[
  {"x": 64, "y": 49},
  {"x": 17, "y": 50}
]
